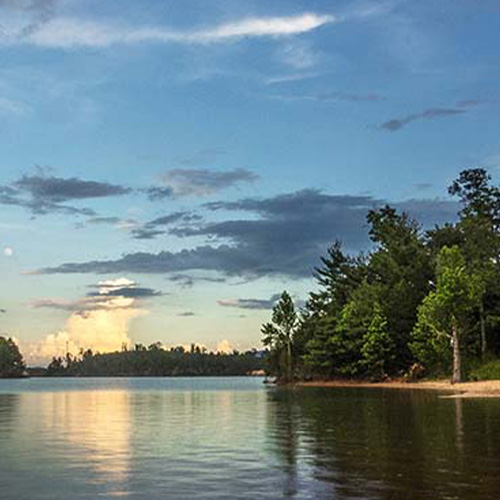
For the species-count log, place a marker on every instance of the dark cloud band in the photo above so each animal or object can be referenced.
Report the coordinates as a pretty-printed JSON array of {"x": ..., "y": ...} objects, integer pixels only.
[{"x": 292, "y": 231}]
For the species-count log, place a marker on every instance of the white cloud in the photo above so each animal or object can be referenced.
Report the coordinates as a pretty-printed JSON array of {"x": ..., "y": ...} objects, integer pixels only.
[
  {"x": 107, "y": 286},
  {"x": 292, "y": 77},
  {"x": 67, "y": 33},
  {"x": 8, "y": 251},
  {"x": 101, "y": 331},
  {"x": 100, "y": 322},
  {"x": 225, "y": 347}
]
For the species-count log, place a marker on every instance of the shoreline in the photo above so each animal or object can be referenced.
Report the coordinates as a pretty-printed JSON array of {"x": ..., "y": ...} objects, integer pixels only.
[{"x": 481, "y": 389}]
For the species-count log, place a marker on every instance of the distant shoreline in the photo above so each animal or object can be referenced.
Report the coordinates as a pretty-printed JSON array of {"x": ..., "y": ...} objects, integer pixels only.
[{"x": 482, "y": 389}]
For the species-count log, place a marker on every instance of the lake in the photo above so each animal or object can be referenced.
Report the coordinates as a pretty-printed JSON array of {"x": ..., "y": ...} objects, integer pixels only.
[{"x": 235, "y": 438}]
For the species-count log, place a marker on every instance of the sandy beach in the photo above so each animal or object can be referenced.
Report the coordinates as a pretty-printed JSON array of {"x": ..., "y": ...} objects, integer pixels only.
[{"x": 484, "y": 389}]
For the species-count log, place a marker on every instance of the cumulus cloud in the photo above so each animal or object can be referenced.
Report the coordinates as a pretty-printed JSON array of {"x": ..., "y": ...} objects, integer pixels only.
[
  {"x": 285, "y": 236},
  {"x": 99, "y": 321},
  {"x": 250, "y": 303},
  {"x": 70, "y": 33},
  {"x": 43, "y": 194},
  {"x": 199, "y": 182},
  {"x": 99, "y": 330},
  {"x": 224, "y": 347}
]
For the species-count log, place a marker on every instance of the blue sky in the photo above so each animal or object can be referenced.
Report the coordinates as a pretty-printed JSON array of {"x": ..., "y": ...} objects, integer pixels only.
[{"x": 206, "y": 153}]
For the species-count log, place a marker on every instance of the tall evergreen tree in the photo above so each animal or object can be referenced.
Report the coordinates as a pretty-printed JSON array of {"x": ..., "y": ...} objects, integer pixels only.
[
  {"x": 378, "y": 347},
  {"x": 278, "y": 335},
  {"x": 402, "y": 267}
]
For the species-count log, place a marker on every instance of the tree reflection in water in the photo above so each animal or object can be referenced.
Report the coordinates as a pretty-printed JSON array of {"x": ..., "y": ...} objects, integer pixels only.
[{"x": 384, "y": 444}]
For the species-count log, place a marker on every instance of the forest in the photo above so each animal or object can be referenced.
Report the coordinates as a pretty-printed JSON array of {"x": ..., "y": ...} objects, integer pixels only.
[
  {"x": 420, "y": 303},
  {"x": 155, "y": 361}
]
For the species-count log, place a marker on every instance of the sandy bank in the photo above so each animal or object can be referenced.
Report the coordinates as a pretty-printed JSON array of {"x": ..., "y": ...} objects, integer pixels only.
[{"x": 486, "y": 389}]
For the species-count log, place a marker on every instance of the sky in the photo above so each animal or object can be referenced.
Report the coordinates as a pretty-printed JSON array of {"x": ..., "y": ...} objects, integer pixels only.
[{"x": 167, "y": 169}]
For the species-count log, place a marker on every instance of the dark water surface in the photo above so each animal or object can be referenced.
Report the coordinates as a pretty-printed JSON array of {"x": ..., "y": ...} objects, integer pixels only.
[{"x": 234, "y": 438}]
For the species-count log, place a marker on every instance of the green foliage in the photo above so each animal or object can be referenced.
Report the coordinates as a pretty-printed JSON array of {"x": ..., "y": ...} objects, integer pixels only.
[
  {"x": 379, "y": 313},
  {"x": 444, "y": 310},
  {"x": 278, "y": 337},
  {"x": 486, "y": 371},
  {"x": 480, "y": 199},
  {"x": 11, "y": 360},
  {"x": 156, "y": 361},
  {"x": 378, "y": 348},
  {"x": 402, "y": 267}
]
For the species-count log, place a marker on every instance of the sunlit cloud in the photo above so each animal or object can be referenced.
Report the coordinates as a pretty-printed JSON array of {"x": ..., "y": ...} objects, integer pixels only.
[
  {"x": 100, "y": 321},
  {"x": 224, "y": 347}
]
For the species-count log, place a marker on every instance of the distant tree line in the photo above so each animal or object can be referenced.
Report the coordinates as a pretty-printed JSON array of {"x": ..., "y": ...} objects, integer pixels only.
[
  {"x": 422, "y": 302},
  {"x": 155, "y": 361}
]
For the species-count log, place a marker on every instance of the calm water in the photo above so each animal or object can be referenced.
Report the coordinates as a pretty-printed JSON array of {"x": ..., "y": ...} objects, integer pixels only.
[{"x": 236, "y": 439}]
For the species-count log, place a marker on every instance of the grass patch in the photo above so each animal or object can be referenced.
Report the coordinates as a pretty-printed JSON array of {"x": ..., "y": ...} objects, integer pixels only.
[{"x": 487, "y": 371}]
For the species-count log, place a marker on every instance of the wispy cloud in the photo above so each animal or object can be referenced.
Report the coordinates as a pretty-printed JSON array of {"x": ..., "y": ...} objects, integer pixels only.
[
  {"x": 36, "y": 12},
  {"x": 460, "y": 108},
  {"x": 199, "y": 182},
  {"x": 332, "y": 96},
  {"x": 298, "y": 54},
  {"x": 250, "y": 303},
  {"x": 68, "y": 33},
  {"x": 287, "y": 78}
]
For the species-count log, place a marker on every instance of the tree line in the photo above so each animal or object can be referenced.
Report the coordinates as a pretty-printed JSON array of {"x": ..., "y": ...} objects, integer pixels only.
[
  {"x": 155, "y": 361},
  {"x": 420, "y": 303}
]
